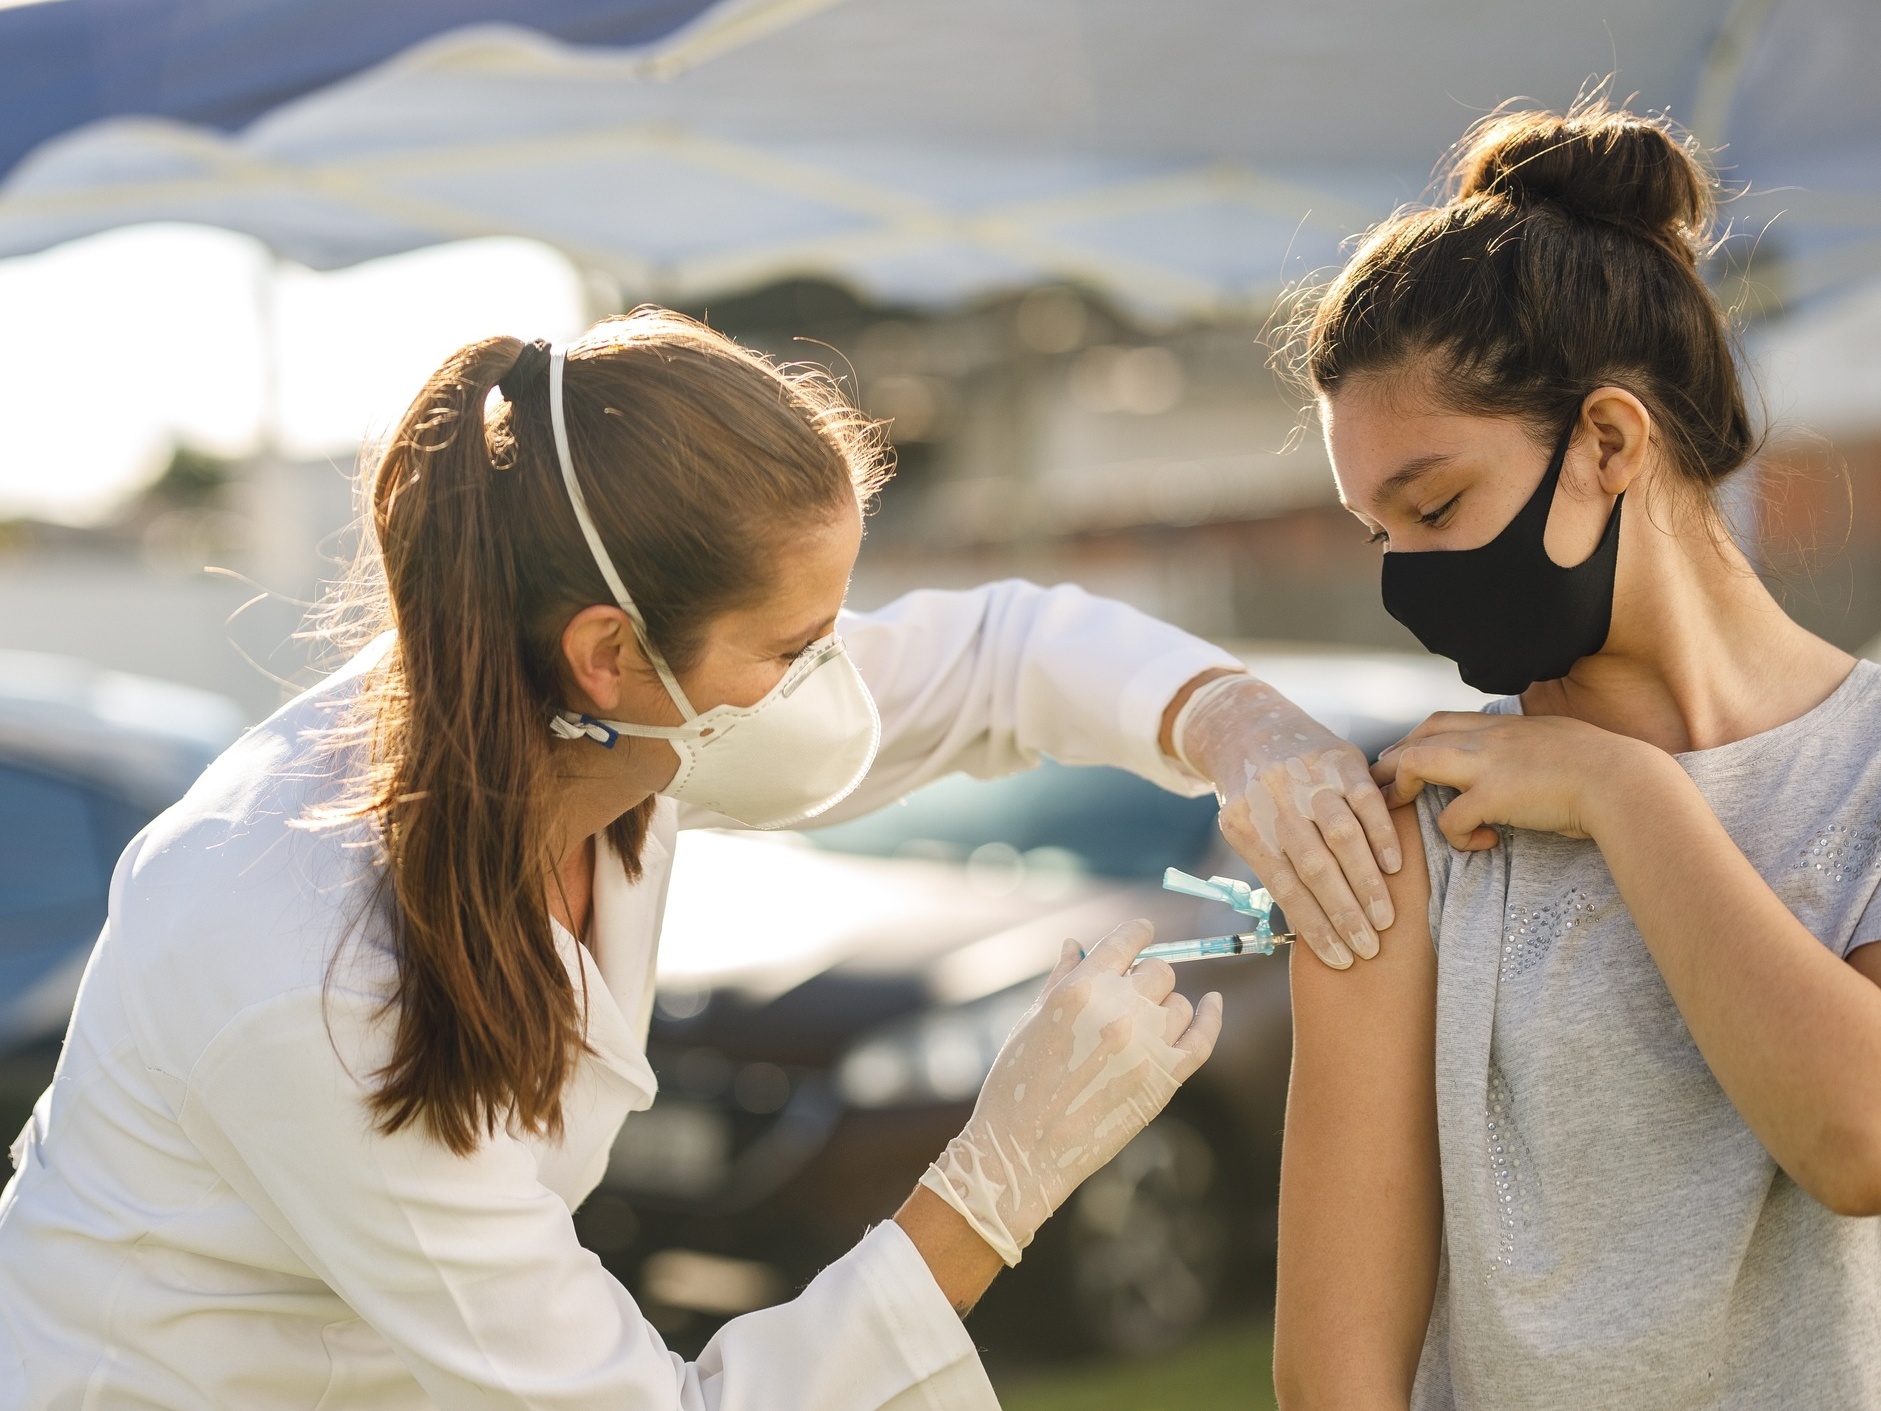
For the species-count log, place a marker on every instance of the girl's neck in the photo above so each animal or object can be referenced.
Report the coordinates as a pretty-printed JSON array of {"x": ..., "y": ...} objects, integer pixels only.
[{"x": 1699, "y": 653}]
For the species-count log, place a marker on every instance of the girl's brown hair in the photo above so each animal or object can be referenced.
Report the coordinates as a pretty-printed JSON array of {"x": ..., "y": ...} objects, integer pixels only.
[
  {"x": 698, "y": 459},
  {"x": 1565, "y": 259}
]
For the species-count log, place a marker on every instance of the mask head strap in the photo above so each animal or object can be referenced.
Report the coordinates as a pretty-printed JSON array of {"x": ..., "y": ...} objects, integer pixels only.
[{"x": 558, "y": 358}]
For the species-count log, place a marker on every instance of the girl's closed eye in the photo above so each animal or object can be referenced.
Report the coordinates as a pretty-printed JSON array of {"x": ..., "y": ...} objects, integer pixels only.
[
  {"x": 1430, "y": 519},
  {"x": 1435, "y": 518}
]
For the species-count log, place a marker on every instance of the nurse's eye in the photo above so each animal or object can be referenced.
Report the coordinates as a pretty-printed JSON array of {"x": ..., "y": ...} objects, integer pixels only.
[{"x": 1377, "y": 537}]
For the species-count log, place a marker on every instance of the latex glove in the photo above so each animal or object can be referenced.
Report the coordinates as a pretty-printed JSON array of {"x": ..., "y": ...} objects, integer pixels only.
[
  {"x": 1096, "y": 1057},
  {"x": 1299, "y": 805}
]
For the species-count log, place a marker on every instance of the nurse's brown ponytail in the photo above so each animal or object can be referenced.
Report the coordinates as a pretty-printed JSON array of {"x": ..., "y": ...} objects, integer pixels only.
[{"x": 698, "y": 459}]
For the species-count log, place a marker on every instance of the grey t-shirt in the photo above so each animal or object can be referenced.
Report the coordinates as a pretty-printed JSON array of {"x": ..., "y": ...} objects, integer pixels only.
[{"x": 1614, "y": 1235}]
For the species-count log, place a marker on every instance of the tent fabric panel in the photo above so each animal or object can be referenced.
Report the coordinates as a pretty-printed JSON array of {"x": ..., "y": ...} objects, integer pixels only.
[
  {"x": 1242, "y": 252},
  {"x": 662, "y": 208},
  {"x": 1185, "y": 160},
  {"x": 223, "y": 63}
]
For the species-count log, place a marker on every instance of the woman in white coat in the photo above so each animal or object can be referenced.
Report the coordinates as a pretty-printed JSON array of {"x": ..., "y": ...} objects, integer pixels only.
[{"x": 371, "y": 1002}]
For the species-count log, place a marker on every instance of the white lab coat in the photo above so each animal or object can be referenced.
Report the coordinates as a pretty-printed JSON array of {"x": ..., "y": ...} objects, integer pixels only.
[{"x": 203, "y": 1216}]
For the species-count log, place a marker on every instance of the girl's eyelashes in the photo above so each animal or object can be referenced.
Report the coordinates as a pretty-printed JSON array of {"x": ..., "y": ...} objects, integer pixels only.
[
  {"x": 1434, "y": 517},
  {"x": 1431, "y": 519}
]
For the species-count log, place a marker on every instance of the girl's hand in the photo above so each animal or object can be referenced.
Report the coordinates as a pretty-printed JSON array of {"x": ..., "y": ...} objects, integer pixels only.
[{"x": 1548, "y": 773}]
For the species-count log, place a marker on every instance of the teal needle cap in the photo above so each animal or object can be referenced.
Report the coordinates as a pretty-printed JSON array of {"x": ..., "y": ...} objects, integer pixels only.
[{"x": 1229, "y": 891}]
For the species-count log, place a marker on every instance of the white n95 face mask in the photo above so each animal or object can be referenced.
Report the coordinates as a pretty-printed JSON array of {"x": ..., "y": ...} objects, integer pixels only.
[{"x": 799, "y": 751}]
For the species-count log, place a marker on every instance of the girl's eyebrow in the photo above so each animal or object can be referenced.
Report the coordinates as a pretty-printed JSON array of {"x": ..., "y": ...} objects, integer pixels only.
[{"x": 1407, "y": 475}]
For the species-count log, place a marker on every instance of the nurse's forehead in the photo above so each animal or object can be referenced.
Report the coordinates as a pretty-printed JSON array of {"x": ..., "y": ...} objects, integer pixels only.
[{"x": 799, "y": 631}]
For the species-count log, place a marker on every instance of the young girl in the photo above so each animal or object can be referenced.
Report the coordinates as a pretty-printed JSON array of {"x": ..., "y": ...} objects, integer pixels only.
[{"x": 1618, "y": 1141}]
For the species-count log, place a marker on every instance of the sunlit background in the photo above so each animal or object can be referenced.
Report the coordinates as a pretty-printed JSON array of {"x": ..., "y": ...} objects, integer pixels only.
[
  {"x": 1047, "y": 240},
  {"x": 1044, "y": 239}
]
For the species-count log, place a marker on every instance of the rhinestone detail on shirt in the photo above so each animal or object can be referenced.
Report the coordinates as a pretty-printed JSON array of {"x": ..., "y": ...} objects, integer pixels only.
[
  {"x": 1530, "y": 933},
  {"x": 1510, "y": 1169},
  {"x": 1841, "y": 851}
]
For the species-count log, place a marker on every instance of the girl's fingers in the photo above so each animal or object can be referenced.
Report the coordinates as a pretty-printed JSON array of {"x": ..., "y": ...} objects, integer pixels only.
[
  {"x": 1455, "y": 722},
  {"x": 1437, "y": 761},
  {"x": 1463, "y": 827},
  {"x": 1396, "y": 786}
]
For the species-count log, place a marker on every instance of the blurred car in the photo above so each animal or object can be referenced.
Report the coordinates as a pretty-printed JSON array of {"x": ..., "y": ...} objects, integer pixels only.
[
  {"x": 87, "y": 757},
  {"x": 829, "y": 1003}
]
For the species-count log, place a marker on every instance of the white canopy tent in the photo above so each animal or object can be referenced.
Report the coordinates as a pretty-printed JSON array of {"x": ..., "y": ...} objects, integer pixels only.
[{"x": 1185, "y": 158}]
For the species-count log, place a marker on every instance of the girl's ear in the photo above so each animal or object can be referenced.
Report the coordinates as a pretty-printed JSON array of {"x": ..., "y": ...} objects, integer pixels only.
[
  {"x": 598, "y": 650},
  {"x": 1614, "y": 440}
]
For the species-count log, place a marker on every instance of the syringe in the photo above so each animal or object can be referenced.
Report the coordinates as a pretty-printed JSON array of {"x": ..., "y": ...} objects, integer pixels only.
[
  {"x": 1269, "y": 931},
  {"x": 1247, "y": 943}
]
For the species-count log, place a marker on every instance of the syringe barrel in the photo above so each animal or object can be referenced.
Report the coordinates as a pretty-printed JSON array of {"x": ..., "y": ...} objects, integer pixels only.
[{"x": 1208, "y": 948}]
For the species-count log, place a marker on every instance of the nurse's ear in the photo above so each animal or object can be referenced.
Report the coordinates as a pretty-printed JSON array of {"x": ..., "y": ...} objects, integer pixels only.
[{"x": 601, "y": 654}]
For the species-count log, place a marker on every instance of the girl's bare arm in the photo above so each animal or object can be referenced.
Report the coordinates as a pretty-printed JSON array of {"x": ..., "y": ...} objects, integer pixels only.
[
  {"x": 1360, "y": 1198},
  {"x": 1791, "y": 1031}
]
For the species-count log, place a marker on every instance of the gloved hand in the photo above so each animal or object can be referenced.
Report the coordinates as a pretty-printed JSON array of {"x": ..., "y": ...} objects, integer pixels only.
[
  {"x": 1299, "y": 805},
  {"x": 1099, "y": 1054}
]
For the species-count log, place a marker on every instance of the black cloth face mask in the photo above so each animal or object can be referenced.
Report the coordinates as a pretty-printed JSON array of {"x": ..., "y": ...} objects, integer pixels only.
[{"x": 1506, "y": 613}]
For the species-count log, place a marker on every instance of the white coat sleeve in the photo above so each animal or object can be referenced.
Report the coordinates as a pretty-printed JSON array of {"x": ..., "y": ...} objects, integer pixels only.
[
  {"x": 987, "y": 680},
  {"x": 470, "y": 1270}
]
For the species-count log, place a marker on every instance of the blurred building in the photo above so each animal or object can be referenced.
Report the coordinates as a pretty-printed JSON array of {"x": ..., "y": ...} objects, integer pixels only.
[
  {"x": 1044, "y": 435},
  {"x": 1050, "y": 437},
  {"x": 205, "y": 578}
]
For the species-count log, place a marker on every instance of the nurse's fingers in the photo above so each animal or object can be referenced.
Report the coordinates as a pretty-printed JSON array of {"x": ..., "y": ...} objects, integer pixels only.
[
  {"x": 1118, "y": 950},
  {"x": 1178, "y": 1013},
  {"x": 1367, "y": 803},
  {"x": 1198, "y": 1041},
  {"x": 1352, "y": 849},
  {"x": 1069, "y": 954},
  {"x": 1153, "y": 979},
  {"x": 1260, "y": 846},
  {"x": 1319, "y": 872},
  {"x": 1303, "y": 914}
]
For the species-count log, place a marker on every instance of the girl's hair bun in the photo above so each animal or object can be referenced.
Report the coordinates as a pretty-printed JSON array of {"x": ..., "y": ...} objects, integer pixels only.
[{"x": 1594, "y": 164}]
